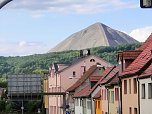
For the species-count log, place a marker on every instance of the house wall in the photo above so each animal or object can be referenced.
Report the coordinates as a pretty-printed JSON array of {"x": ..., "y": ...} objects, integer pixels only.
[
  {"x": 112, "y": 109},
  {"x": 146, "y": 103},
  {"x": 78, "y": 106},
  {"x": 98, "y": 107},
  {"x": 104, "y": 99},
  {"x": 93, "y": 102},
  {"x": 62, "y": 81},
  {"x": 79, "y": 70},
  {"x": 113, "y": 106},
  {"x": 45, "y": 89},
  {"x": 129, "y": 100}
]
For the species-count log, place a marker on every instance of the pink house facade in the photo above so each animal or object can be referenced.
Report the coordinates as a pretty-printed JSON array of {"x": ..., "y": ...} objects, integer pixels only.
[{"x": 63, "y": 76}]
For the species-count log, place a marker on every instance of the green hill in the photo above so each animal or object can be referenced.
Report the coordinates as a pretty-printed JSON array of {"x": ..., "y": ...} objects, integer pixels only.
[{"x": 40, "y": 63}]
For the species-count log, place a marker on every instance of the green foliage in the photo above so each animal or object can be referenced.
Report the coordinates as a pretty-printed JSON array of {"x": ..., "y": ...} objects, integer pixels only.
[
  {"x": 2, "y": 105},
  {"x": 8, "y": 107},
  {"x": 3, "y": 83},
  {"x": 40, "y": 63}
]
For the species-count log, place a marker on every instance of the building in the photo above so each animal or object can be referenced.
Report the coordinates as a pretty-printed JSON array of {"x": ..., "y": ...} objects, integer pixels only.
[
  {"x": 63, "y": 76},
  {"x": 129, "y": 78},
  {"x": 82, "y": 89},
  {"x": 145, "y": 87}
]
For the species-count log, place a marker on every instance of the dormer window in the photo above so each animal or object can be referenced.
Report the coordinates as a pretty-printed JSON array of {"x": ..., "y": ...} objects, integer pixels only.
[
  {"x": 92, "y": 60},
  {"x": 74, "y": 73}
]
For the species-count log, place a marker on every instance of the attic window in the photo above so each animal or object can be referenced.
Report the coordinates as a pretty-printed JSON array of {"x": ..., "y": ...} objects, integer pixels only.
[
  {"x": 92, "y": 60},
  {"x": 74, "y": 74}
]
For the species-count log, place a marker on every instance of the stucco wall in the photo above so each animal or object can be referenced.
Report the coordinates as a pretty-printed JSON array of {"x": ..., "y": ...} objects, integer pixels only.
[
  {"x": 104, "y": 102},
  {"x": 93, "y": 102},
  {"x": 129, "y": 100},
  {"x": 145, "y": 104},
  {"x": 78, "y": 70}
]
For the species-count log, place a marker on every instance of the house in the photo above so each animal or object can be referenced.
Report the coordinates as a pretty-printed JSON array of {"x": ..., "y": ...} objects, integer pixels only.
[
  {"x": 81, "y": 90},
  {"x": 129, "y": 79},
  {"x": 97, "y": 103},
  {"x": 108, "y": 94},
  {"x": 63, "y": 76},
  {"x": 114, "y": 103},
  {"x": 145, "y": 88},
  {"x": 96, "y": 90}
]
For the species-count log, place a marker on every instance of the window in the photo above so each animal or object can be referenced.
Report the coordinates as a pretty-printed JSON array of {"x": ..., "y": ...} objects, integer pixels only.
[
  {"x": 89, "y": 104},
  {"x": 143, "y": 91},
  {"x": 149, "y": 90},
  {"x": 105, "y": 95},
  {"x": 81, "y": 100},
  {"x": 130, "y": 86},
  {"x": 135, "y": 110},
  {"x": 125, "y": 86},
  {"x": 112, "y": 96},
  {"x": 102, "y": 94},
  {"x": 76, "y": 102},
  {"x": 74, "y": 74},
  {"x": 98, "y": 104},
  {"x": 116, "y": 94},
  {"x": 92, "y": 60},
  {"x": 135, "y": 85},
  {"x": 84, "y": 103},
  {"x": 130, "y": 110}
]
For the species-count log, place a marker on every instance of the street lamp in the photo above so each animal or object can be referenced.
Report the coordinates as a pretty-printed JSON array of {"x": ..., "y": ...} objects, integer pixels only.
[{"x": 4, "y": 2}]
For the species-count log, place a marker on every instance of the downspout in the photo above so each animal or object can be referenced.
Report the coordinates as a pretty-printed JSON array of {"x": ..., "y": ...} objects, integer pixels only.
[{"x": 138, "y": 95}]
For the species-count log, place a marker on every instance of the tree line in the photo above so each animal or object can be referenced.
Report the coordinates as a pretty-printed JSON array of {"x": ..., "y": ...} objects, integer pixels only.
[{"x": 40, "y": 63}]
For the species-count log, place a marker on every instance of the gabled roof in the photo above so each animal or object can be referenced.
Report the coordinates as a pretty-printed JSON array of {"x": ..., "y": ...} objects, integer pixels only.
[
  {"x": 146, "y": 43},
  {"x": 131, "y": 54},
  {"x": 83, "y": 92},
  {"x": 97, "y": 95},
  {"x": 140, "y": 63},
  {"x": 110, "y": 76},
  {"x": 83, "y": 78},
  {"x": 103, "y": 75},
  {"x": 59, "y": 66},
  {"x": 82, "y": 59},
  {"x": 147, "y": 72},
  {"x": 94, "y": 78}
]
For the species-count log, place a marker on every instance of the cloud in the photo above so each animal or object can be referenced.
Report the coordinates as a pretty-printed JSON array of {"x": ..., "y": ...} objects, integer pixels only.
[
  {"x": 72, "y": 6},
  {"x": 141, "y": 34},
  {"x": 22, "y": 48}
]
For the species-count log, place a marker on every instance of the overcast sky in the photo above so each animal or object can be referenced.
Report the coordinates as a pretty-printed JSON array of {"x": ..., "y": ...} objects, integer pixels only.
[{"x": 35, "y": 26}]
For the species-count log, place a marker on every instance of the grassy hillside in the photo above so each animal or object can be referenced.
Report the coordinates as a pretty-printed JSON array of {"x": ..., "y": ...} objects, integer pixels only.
[{"x": 40, "y": 62}]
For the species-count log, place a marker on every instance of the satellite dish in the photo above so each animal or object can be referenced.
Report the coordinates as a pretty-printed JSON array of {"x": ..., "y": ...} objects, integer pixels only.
[{"x": 85, "y": 52}]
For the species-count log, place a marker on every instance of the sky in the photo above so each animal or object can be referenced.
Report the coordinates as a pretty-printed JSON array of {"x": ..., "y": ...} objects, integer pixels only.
[{"x": 35, "y": 26}]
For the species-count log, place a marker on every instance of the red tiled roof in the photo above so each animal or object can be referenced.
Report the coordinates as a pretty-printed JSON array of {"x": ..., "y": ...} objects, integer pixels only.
[
  {"x": 87, "y": 90},
  {"x": 133, "y": 54},
  {"x": 114, "y": 80},
  {"x": 104, "y": 74},
  {"x": 147, "y": 72},
  {"x": 95, "y": 78},
  {"x": 83, "y": 78},
  {"x": 83, "y": 92},
  {"x": 146, "y": 43},
  {"x": 110, "y": 75},
  {"x": 139, "y": 63},
  {"x": 97, "y": 95}
]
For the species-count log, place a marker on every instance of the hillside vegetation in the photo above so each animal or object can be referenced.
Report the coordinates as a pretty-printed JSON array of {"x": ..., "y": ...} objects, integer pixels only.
[{"x": 40, "y": 63}]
